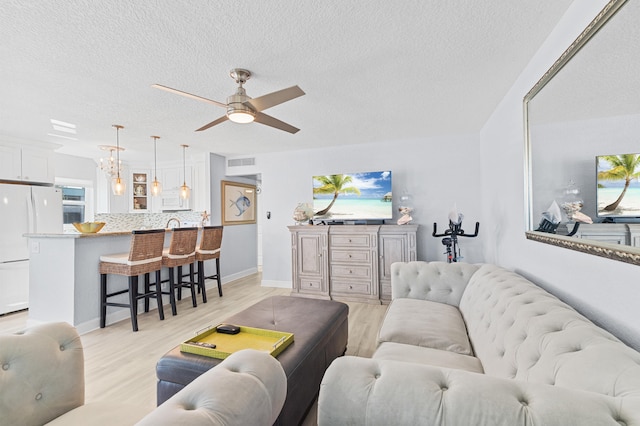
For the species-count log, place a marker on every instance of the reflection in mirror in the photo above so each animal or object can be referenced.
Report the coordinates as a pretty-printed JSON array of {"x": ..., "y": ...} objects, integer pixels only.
[{"x": 587, "y": 107}]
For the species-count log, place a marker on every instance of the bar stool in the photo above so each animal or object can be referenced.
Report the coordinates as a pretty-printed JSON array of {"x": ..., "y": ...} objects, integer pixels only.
[
  {"x": 210, "y": 244},
  {"x": 181, "y": 252},
  {"x": 144, "y": 257}
]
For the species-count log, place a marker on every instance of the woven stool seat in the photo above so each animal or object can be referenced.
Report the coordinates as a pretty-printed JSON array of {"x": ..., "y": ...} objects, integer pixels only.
[
  {"x": 210, "y": 248},
  {"x": 144, "y": 257},
  {"x": 181, "y": 252}
]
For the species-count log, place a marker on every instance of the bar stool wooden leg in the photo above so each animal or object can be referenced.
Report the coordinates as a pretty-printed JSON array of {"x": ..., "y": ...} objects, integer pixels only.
[
  {"x": 147, "y": 287},
  {"x": 172, "y": 292},
  {"x": 159, "y": 295},
  {"x": 103, "y": 300},
  {"x": 201, "y": 279},
  {"x": 133, "y": 301},
  {"x": 218, "y": 276}
]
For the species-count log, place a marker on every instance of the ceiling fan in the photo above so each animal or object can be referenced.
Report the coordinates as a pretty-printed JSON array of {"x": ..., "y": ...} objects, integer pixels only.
[{"x": 243, "y": 109}]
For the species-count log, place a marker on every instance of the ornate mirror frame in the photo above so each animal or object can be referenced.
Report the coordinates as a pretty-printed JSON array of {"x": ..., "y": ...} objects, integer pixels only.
[{"x": 611, "y": 251}]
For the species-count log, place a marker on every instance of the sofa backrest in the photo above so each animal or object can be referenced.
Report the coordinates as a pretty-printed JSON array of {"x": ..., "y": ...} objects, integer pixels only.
[
  {"x": 520, "y": 331},
  {"x": 435, "y": 281},
  {"x": 42, "y": 374}
]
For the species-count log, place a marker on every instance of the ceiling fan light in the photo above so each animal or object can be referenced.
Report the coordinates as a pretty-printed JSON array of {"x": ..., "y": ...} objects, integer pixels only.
[{"x": 240, "y": 117}]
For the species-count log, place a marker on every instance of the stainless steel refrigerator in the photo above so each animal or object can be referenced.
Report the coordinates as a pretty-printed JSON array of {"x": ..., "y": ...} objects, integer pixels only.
[{"x": 23, "y": 209}]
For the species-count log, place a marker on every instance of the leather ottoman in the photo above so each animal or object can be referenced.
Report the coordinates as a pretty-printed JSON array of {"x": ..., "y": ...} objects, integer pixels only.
[{"x": 320, "y": 329}]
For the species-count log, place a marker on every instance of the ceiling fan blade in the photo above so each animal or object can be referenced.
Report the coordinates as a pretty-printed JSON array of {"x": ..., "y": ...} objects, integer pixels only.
[
  {"x": 213, "y": 123},
  {"x": 275, "y": 98},
  {"x": 188, "y": 95},
  {"x": 274, "y": 122}
]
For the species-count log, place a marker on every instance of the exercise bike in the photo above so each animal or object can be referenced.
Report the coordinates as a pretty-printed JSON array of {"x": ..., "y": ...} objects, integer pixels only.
[{"x": 450, "y": 240}]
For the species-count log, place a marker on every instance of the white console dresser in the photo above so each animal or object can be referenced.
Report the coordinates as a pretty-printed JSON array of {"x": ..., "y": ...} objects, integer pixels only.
[{"x": 349, "y": 262}]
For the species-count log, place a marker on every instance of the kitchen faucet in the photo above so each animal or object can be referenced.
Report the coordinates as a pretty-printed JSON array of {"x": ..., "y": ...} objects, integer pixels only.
[{"x": 173, "y": 219}]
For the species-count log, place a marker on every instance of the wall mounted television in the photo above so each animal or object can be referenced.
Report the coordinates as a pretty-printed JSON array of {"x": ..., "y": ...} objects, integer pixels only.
[
  {"x": 618, "y": 186},
  {"x": 356, "y": 197}
]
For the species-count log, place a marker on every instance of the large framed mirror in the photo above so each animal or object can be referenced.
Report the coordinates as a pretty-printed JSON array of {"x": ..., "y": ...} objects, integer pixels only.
[{"x": 582, "y": 123}]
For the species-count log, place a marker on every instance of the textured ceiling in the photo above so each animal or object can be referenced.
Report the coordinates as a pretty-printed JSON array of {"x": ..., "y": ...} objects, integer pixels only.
[{"x": 372, "y": 70}]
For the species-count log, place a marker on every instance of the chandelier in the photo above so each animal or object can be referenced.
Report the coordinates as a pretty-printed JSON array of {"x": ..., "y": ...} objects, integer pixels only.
[{"x": 110, "y": 166}]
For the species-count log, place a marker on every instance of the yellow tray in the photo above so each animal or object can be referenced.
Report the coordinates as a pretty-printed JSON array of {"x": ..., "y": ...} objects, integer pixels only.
[{"x": 273, "y": 342}]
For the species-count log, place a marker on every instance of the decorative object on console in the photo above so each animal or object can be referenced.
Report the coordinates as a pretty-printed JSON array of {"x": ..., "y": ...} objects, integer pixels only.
[
  {"x": 406, "y": 208},
  {"x": 303, "y": 213},
  {"x": 118, "y": 185},
  {"x": 238, "y": 203},
  {"x": 406, "y": 215},
  {"x": 156, "y": 187},
  {"x": 185, "y": 191}
]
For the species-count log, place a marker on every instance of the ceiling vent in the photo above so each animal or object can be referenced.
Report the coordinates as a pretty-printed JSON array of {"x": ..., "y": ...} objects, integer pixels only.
[{"x": 237, "y": 162}]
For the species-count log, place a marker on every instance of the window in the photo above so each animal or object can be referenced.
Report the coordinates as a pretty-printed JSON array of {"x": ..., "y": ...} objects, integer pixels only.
[
  {"x": 77, "y": 201},
  {"x": 73, "y": 204}
]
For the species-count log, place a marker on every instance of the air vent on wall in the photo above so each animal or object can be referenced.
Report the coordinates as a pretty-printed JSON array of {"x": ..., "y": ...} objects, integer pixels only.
[{"x": 236, "y": 162}]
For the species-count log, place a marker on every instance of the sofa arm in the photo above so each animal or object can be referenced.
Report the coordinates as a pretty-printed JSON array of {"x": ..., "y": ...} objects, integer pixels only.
[
  {"x": 42, "y": 374},
  {"x": 362, "y": 391},
  {"x": 247, "y": 388},
  {"x": 435, "y": 281}
]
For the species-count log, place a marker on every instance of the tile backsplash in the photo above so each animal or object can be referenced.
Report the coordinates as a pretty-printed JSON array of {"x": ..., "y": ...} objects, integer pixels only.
[{"x": 118, "y": 222}]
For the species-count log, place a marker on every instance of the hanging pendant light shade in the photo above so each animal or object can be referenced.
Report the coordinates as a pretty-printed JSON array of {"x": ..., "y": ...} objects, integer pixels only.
[
  {"x": 118, "y": 184},
  {"x": 156, "y": 187},
  {"x": 185, "y": 191}
]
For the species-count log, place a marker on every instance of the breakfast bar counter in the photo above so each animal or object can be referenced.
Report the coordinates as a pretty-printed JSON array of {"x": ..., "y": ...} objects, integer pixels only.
[{"x": 64, "y": 280}]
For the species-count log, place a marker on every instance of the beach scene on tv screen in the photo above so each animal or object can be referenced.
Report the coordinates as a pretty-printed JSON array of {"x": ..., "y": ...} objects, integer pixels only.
[
  {"x": 353, "y": 196},
  {"x": 618, "y": 191}
]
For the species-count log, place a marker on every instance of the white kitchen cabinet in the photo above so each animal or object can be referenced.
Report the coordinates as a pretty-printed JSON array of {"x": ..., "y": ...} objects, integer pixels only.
[{"x": 26, "y": 164}]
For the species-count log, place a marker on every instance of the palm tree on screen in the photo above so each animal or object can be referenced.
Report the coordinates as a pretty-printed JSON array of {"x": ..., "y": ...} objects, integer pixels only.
[
  {"x": 623, "y": 167},
  {"x": 334, "y": 184}
]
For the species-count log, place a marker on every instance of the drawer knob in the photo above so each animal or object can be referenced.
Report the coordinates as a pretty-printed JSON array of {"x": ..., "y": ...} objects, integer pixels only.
[
  {"x": 350, "y": 271},
  {"x": 349, "y": 256},
  {"x": 350, "y": 287}
]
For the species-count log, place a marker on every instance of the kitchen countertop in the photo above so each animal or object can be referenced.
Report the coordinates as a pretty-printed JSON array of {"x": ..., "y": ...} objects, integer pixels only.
[{"x": 80, "y": 235}]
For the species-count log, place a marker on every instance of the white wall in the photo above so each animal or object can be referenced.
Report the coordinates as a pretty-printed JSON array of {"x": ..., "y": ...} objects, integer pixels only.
[
  {"x": 437, "y": 172},
  {"x": 604, "y": 290}
]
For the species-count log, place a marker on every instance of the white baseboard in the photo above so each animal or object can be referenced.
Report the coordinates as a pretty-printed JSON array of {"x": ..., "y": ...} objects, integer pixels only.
[{"x": 278, "y": 284}]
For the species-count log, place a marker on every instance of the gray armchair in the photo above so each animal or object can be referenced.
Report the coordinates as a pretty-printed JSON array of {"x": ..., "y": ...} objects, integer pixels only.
[{"x": 42, "y": 382}]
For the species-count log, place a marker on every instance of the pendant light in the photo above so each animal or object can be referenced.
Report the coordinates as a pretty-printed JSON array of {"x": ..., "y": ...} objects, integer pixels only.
[
  {"x": 185, "y": 191},
  {"x": 118, "y": 185},
  {"x": 156, "y": 187}
]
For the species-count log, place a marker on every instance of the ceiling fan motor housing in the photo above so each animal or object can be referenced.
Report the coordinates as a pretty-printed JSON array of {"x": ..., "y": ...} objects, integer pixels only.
[{"x": 236, "y": 109}]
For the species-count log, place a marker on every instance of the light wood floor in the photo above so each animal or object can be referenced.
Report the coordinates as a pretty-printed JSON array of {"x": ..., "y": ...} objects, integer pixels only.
[{"x": 120, "y": 364}]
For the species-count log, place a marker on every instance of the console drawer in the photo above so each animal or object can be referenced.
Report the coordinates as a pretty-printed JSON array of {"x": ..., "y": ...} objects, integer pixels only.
[
  {"x": 349, "y": 240},
  {"x": 346, "y": 287},
  {"x": 310, "y": 284},
  {"x": 351, "y": 256},
  {"x": 351, "y": 271}
]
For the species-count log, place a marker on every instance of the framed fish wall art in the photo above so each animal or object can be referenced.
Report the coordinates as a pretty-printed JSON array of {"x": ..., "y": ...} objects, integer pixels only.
[{"x": 238, "y": 203}]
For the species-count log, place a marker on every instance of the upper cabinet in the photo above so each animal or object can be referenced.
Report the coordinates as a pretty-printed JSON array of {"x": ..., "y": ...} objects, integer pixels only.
[
  {"x": 139, "y": 201},
  {"x": 26, "y": 164}
]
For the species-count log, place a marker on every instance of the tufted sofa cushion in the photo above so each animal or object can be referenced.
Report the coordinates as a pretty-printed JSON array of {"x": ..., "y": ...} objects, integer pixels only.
[
  {"x": 520, "y": 331},
  {"x": 361, "y": 391},
  {"x": 42, "y": 374},
  {"x": 436, "y": 281},
  {"x": 425, "y": 323}
]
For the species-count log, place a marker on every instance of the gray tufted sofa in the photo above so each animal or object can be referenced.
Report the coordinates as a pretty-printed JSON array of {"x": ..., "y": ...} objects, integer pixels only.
[
  {"x": 479, "y": 345},
  {"x": 42, "y": 382}
]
